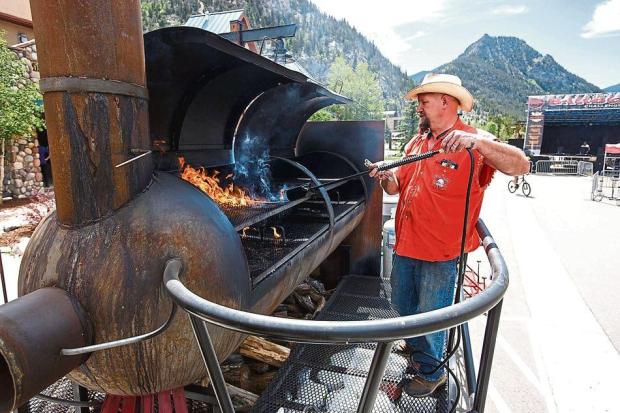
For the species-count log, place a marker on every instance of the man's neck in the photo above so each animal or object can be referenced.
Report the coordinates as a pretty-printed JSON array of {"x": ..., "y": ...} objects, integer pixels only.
[{"x": 443, "y": 125}]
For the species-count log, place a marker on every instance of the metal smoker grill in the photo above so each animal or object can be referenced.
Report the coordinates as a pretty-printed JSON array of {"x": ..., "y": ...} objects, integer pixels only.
[
  {"x": 208, "y": 97},
  {"x": 105, "y": 254}
]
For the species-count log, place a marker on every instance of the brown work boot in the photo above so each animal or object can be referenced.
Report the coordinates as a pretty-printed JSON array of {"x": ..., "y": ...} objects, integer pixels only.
[
  {"x": 401, "y": 346},
  {"x": 418, "y": 387}
]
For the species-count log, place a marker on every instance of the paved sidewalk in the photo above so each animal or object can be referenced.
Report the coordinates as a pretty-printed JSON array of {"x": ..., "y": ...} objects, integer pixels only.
[{"x": 558, "y": 343}]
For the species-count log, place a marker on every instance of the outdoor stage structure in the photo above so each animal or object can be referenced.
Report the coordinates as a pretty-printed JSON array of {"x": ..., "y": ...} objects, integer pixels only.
[{"x": 559, "y": 125}]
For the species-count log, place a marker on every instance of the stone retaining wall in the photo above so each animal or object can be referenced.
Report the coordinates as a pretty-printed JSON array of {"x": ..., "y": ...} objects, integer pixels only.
[{"x": 22, "y": 166}]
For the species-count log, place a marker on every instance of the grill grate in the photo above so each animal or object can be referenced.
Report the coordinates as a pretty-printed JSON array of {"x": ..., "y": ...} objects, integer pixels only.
[
  {"x": 323, "y": 378},
  {"x": 263, "y": 254},
  {"x": 243, "y": 216}
]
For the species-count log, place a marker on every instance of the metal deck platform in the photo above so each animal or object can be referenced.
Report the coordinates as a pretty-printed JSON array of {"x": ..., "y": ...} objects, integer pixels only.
[{"x": 330, "y": 378}]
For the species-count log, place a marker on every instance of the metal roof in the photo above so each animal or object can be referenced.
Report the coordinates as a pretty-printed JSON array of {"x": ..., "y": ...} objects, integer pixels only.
[{"x": 217, "y": 22}]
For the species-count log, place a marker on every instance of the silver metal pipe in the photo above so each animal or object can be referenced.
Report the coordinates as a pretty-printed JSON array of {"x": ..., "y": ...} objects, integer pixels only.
[
  {"x": 121, "y": 342},
  {"x": 375, "y": 376},
  {"x": 213, "y": 365},
  {"x": 321, "y": 332}
]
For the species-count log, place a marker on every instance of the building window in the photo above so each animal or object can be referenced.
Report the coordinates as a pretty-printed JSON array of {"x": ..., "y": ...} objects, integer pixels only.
[{"x": 22, "y": 38}]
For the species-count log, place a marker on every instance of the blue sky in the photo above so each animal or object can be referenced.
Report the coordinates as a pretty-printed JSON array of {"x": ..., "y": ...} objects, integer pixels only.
[{"x": 583, "y": 36}]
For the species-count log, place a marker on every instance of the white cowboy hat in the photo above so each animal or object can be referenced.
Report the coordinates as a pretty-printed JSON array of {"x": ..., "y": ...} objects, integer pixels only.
[{"x": 445, "y": 84}]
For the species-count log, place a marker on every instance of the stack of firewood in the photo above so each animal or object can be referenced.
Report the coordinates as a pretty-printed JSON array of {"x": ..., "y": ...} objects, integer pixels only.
[
  {"x": 306, "y": 301},
  {"x": 249, "y": 370}
]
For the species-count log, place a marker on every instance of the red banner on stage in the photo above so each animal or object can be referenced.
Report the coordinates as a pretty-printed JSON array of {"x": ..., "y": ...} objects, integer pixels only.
[
  {"x": 612, "y": 148},
  {"x": 575, "y": 101}
]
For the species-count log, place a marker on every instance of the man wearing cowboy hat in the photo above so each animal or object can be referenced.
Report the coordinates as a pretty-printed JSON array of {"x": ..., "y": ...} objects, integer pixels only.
[{"x": 429, "y": 216}]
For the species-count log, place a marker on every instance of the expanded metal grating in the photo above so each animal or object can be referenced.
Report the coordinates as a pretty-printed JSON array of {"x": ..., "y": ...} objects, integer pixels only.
[
  {"x": 64, "y": 389},
  {"x": 330, "y": 378}
]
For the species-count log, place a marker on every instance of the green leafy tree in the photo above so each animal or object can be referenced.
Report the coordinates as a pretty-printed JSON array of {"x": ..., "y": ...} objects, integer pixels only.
[
  {"x": 491, "y": 127},
  {"x": 411, "y": 120},
  {"x": 503, "y": 126},
  {"x": 20, "y": 111},
  {"x": 359, "y": 84},
  {"x": 322, "y": 115}
]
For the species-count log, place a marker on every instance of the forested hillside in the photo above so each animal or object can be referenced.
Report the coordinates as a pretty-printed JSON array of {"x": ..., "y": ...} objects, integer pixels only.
[{"x": 320, "y": 38}]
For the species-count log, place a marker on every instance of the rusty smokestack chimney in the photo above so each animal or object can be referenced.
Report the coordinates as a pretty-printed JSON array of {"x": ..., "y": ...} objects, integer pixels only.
[
  {"x": 91, "y": 55},
  {"x": 107, "y": 243}
]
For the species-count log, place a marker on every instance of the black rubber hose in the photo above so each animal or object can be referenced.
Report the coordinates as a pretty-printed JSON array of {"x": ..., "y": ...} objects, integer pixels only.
[
  {"x": 461, "y": 265},
  {"x": 408, "y": 159}
]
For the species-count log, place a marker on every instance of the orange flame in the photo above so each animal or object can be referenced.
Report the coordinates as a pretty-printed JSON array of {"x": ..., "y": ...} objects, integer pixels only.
[
  {"x": 209, "y": 183},
  {"x": 275, "y": 233}
]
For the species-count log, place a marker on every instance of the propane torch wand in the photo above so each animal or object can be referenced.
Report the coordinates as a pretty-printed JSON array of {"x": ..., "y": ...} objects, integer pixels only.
[{"x": 390, "y": 165}]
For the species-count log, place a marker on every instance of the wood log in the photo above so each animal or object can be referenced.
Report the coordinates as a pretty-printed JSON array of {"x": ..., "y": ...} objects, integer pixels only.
[
  {"x": 258, "y": 367},
  {"x": 243, "y": 400},
  {"x": 236, "y": 374},
  {"x": 305, "y": 302},
  {"x": 317, "y": 285},
  {"x": 262, "y": 350},
  {"x": 281, "y": 314},
  {"x": 303, "y": 289},
  {"x": 261, "y": 381},
  {"x": 316, "y": 297},
  {"x": 319, "y": 306}
]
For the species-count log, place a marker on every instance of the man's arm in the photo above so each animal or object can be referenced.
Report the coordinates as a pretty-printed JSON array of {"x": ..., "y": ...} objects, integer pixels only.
[
  {"x": 387, "y": 179},
  {"x": 503, "y": 157}
]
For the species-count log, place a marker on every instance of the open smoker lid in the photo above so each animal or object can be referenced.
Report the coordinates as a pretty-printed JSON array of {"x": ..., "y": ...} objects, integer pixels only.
[{"x": 205, "y": 92}]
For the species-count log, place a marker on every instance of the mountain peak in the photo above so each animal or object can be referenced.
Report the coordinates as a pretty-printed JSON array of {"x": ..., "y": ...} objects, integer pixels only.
[
  {"x": 489, "y": 47},
  {"x": 501, "y": 71}
]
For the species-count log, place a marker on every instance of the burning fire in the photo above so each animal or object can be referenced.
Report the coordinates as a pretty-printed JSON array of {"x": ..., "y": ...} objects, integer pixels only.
[
  {"x": 276, "y": 235},
  {"x": 209, "y": 183}
]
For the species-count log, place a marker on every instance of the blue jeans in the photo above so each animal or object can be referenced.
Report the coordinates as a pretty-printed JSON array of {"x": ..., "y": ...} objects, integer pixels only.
[{"x": 417, "y": 287}]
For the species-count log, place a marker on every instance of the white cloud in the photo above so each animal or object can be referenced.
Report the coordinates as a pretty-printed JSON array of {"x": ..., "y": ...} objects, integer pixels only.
[
  {"x": 378, "y": 20},
  {"x": 416, "y": 35},
  {"x": 605, "y": 20},
  {"x": 508, "y": 10}
]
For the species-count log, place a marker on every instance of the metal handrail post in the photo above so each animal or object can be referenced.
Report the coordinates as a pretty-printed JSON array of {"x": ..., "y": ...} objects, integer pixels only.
[
  {"x": 468, "y": 360},
  {"x": 213, "y": 365},
  {"x": 4, "y": 292},
  {"x": 375, "y": 376},
  {"x": 486, "y": 357},
  {"x": 80, "y": 394}
]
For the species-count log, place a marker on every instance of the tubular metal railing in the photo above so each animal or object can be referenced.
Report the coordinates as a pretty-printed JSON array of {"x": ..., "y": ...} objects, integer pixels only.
[
  {"x": 606, "y": 185},
  {"x": 564, "y": 167},
  {"x": 384, "y": 332}
]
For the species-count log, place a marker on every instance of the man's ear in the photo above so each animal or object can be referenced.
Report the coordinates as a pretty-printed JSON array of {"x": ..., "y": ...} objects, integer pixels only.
[{"x": 444, "y": 100}]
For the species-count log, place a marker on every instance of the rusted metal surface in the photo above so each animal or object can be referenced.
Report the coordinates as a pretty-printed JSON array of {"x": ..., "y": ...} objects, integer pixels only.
[
  {"x": 115, "y": 228},
  {"x": 91, "y": 131},
  {"x": 114, "y": 269},
  {"x": 34, "y": 329}
]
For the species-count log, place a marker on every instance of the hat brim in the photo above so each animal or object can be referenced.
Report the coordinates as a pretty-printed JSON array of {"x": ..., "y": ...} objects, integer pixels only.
[{"x": 466, "y": 100}]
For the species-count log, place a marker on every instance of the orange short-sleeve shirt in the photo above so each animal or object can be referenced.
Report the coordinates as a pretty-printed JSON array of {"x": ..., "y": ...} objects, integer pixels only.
[{"x": 429, "y": 215}]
